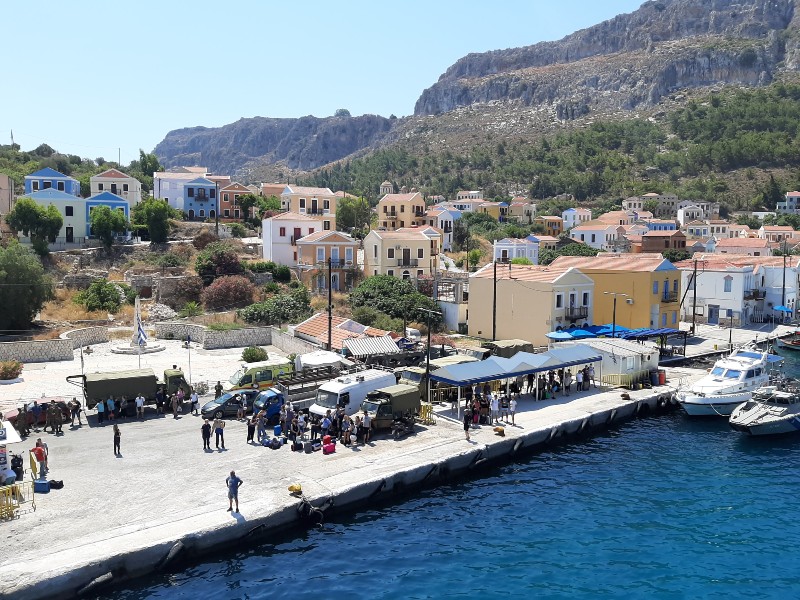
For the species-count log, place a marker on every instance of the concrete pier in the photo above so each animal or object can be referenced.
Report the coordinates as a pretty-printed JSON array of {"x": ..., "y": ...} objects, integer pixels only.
[{"x": 163, "y": 501}]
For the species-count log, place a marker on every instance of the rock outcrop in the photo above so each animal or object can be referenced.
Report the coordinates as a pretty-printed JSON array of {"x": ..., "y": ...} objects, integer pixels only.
[
  {"x": 304, "y": 143},
  {"x": 631, "y": 59}
]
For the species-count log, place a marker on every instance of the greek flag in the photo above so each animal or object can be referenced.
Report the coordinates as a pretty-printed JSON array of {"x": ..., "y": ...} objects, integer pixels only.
[{"x": 140, "y": 333}]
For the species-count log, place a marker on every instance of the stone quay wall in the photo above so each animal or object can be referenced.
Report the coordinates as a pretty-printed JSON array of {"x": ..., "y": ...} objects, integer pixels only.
[
  {"x": 237, "y": 338},
  {"x": 211, "y": 339},
  {"x": 290, "y": 344},
  {"x": 179, "y": 331}
]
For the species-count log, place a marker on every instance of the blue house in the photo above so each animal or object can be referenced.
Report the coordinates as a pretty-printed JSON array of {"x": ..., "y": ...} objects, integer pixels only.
[
  {"x": 661, "y": 225},
  {"x": 113, "y": 201},
  {"x": 47, "y": 178},
  {"x": 200, "y": 199}
]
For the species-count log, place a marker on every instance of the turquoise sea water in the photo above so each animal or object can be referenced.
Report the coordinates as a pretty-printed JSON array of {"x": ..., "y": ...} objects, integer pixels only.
[{"x": 664, "y": 507}]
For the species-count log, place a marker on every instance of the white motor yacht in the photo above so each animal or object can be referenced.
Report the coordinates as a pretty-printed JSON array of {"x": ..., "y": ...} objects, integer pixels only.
[
  {"x": 770, "y": 411},
  {"x": 731, "y": 381}
]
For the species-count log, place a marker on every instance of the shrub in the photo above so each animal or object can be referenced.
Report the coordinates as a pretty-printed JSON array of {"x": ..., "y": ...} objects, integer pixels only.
[
  {"x": 254, "y": 354},
  {"x": 191, "y": 309},
  {"x": 203, "y": 239},
  {"x": 228, "y": 292},
  {"x": 187, "y": 290},
  {"x": 166, "y": 260},
  {"x": 224, "y": 326},
  {"x": 105, "y": 295},
  {"x": 217, "y": 260},
  {"x": 282, "y": 273},
  {"x": 10, "y": 369},
  {"x": 238, "y": 230},
  {"x": 260, "y": 266},
  {"x": 271, "y": 288},
  {"x": 282, "y": 308},
  {"x": 184, "y": 251}
]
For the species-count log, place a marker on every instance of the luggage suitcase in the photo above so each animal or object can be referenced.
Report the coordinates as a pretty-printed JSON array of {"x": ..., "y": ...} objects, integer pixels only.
[
  {"x": 297, "y": 446},
  {"x": 308, "y": 447},
  {"x": 276, "y": 431},
  {"x": 317, "y": 445},
  {"x": 328, "y": 448}
]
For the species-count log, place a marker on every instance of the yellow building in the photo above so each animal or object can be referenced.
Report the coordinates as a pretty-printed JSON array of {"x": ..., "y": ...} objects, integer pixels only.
[
  {"x": 316, "y": 249},
  {"x": 401, "y": 210},
  {"x": 651, "y": 282},
  {"x": 407, "y": 253},
  {"x": 319, "y": 203},
  {"x": 532, "y": 301},
  {"x": 553, "y": 226}
]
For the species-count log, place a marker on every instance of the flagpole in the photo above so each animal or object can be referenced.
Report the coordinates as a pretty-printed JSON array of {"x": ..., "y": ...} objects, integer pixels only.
[{"x": 189, "y": 346}]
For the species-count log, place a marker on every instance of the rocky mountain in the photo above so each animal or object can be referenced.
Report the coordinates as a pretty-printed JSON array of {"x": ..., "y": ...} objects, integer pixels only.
[
  {"x": 300, "y": 144},
  {"x": 620, "y": 68},
  {"x": 630, "y": 60}
]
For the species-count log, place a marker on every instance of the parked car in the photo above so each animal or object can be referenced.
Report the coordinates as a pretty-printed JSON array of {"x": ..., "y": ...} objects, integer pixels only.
[
  {"x": 227, "y": 405},
  {"x": 11, "y": 415}
]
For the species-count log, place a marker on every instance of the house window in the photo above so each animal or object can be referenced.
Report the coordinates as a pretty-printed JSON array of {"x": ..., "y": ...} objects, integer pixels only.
[
  {"x": 47, "y": 185},
  {"x": 212, "y": 192},
  {"x": 585, "y": 298},
  {"x": 390, "y": 253},
  {"x": 348, "y": 255},
  {"x": 60, "y": 186},
  {"x": 375, "y": 251},
  {"x": 655, "y": 287},
  {"x": 124, "y": 187},
  {"x": 389, "y": 272},
  {"x": 226, "y": 213},
  {"x": 35, "y": 186},
  {"x": 68, "y": 211},
  {"x": 310, "y": 230},
  {"x": 420, "y": 272},
  {"x": 728, "y": 283},
  {"x": 559, "y": 301},
  {"x": 420, "y": 252},
  {"x": 675, "y": 286},
  {"x": 320, "y": 254},
  {"x": 100, "y": 187},
  {"x": 190, "y": 192},
  {"x": 402, "y": 208},
  {"x": 225, "y": 197},
  {"x": 236, "y": 213},
  {"x": 326, "y": 204},
  {"x": 302, "y": 204},
  {"x": 674, "y": 317},
  {"x": 235, "y": 199},
  {"x": 593, "y": 236},
  {"x": 664, "y": 320},
  {"x": 326, "y": 225},
  {"x": 282, "y": 232},
  {"x": 202, "y": 213}
]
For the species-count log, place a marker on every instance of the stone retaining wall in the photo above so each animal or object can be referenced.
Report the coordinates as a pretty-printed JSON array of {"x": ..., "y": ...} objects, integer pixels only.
[
  {"x": 179, "y": 331},
  {"x": 37, "y": 351},
  {"x": 237, "y": 338},
  {"x": 290, "y": 344},
  {"x": 86, "y": 336}
]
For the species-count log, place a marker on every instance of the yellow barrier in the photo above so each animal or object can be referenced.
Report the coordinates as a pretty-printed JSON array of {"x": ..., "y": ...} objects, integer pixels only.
[
  {"x": 426, "y": 414},
  {"x": 14, "y": 496},
  {"x": 624, "y": 379}
]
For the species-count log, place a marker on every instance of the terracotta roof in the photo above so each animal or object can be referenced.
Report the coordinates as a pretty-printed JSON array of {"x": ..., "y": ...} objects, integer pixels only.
[
  {"x": 549, "y": 217},
  {"x": 673, "y": 233},
  {"x": 113, "y": 174},
  {"x": 309, "y": 191},
  {"x": 522, "y": 272},
  {"x": 515, "y": 242},
  {"x": 607, "y": 261},
  {"x": 319, "y": 236},
  {"x": 594, "y": 226},
  {"x": 235, "y": 186},
  {"x": 400, "y": 235},
  {"x": 545, "y": 238},
  {"x": 342, "y": 329},
  {"x": 291, "y": 216},
  {"x": 199, "y": 170},
  {"x": 793, "y": 194},
  {"x": 742, "y": 243},
  {"x": 272, "y": 189},
  {"x": 171, "y": 175},
  {"x": 719, "y": 261},
  {"x": 777, "y": 228},
  {"x": 415, "y": 196}
]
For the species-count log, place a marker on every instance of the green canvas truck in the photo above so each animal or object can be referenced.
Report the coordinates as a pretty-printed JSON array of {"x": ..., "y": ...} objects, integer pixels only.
[
  {"x": 384, "y": 404},
  {"x": 99, "y": 386}
]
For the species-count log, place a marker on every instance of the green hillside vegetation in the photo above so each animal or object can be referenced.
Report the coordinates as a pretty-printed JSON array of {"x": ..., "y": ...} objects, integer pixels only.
[{"x": 688, "y": 152}]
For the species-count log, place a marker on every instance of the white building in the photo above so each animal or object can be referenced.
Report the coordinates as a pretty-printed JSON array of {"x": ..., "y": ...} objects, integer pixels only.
[
  {"x": 118, "y": 183},
  {"x": 507, "y": 249},
  {"x": 443, "y": 219},
  {"x": 279, "y": 235},
  {"x": 790, "y": 204},
  {"x": 599, "y": 235},
  {"x": 687, "y": 214},
  {"x": 168, "y": 186},
  {"x": 469, "y": 195},
  {"x": 575, "y": 216}
]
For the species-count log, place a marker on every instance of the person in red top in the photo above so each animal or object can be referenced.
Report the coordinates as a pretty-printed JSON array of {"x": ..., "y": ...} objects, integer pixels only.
[{"x": 41, "y": 458}]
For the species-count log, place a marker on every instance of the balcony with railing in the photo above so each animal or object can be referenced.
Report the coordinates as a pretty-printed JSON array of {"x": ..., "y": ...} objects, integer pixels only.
[
  {"x": 754, "y": 294},
  {"x": 577, "y": 312},
  {"x": 407, "y": 262},
  {"x": 669, "y": 297},
  {"x": 390, "y": 215}
]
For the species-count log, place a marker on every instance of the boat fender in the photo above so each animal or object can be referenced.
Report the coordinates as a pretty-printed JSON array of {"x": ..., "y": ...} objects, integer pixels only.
[
  {"x": 177, "y": 549},
  {"x": 379, "y": 489},
  {"x": 611, "y": 417},
  {"x": 431, "y": 472},
  {"x": 95, "y": 583},
  {"x": 638, "y": 407},
  {"x": 584, "y": 425},
  {"x": 477, "y": 460},
  {"x": 254, "y": 531},
  {"x": 310, "y": 513},
  {"x": 553, "y": 434},
  {"x": 517, "y": 445}
]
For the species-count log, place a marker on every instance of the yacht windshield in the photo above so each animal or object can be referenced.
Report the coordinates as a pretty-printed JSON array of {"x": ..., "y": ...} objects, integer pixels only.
[
  {"x": 327, "y": 399},
  {"x": 732, "y": 374},
  {"x": 717, "y": 371},
  {"x": 412, "y": 376}
]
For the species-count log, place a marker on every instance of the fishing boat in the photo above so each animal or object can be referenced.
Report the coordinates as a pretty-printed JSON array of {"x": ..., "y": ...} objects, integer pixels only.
[
  {"x": 731, "y": 381},
  {"x": 772, "y": 410},
  {"x": 792, "y": 342}
]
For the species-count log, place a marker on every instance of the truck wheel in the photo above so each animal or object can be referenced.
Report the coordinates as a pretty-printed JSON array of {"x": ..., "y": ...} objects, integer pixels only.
[{"x": 218, "y": 414}]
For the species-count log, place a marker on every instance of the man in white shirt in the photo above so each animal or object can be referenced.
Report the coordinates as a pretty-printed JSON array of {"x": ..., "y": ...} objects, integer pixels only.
[
  {"x": 495, "y": 407},
  {"x": 195, "y": 400},
  {"x": 140, "y": 405}
]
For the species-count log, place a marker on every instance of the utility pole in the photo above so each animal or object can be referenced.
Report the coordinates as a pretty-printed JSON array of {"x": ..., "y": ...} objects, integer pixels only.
[
  {"x": 694, "y": 299},
  {"x": 428, "y": 313},
  {"x": 494, "y": 301},
  {"x": 216, "y": 211},
  {"x": 330, "y": 306}
]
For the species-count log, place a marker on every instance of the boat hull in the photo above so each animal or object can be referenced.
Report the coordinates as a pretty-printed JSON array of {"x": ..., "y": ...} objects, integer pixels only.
[
  {"x": 789, "y": 345},
  {"x": 780, "y": 426},
  {"x": 712, "y": 406}
]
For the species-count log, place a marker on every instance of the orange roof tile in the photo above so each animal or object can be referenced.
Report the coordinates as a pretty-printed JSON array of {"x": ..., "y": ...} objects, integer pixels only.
[
  {"x": 738, "y": 242},
  {"x": 608, "y": 261}
]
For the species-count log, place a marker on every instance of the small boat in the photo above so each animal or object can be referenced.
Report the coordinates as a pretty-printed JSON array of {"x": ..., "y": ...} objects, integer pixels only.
[
  {"x": 731, "y": 381},
  {"x": 792, "y": 342},
  {"x": 771, "y": 411}
]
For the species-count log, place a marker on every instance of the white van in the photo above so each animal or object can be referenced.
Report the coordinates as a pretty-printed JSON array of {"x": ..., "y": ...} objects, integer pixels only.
[{"x": 350, "y": 391}]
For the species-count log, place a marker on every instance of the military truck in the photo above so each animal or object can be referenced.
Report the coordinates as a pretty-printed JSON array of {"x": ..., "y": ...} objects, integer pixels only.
[
  {"x": 99, "y": 386},
  {"x": 384, "y": 404}
]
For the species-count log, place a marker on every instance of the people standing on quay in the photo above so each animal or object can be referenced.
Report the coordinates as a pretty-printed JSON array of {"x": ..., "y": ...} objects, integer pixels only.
[
  {"x": 175, "y": 402},
  {"x": 217, "y": 390},
  {"x": 591, "y": 378},
  {"x": 40, "y": 456},
  {"x": 233, "y": 483},
  {"x": 58, "y": 418},
  {"x": 117, "y": 439},
  {"x": 140, "y": 406},
  {"x": 219, "y": 430},
  {"x": 512, "y": 406},
  {"x": 205, "y": 431},
  {"x": 195, "y": 402},
  {"x": 160, "y": 401},
  {"x": 251, "y": 428},
  {"x": 36, "y": 411},
  {"x": 467, "y": 420},
  {"x": 261, "y": 423},
  {"x": 110, "y": 408},
  {"x": 101, "y": 411},
  {"x": 75, "y": 411},
  {"x": 366, "y": 422},
  {"x": 495, "y": 408},
  {"x": 567, "y": 382}
]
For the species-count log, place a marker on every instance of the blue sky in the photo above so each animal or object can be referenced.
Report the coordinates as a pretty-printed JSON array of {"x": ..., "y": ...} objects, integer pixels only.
[{"x": 92, "y": 76}]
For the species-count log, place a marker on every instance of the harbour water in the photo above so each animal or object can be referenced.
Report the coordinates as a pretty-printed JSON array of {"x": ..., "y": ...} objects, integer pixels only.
[{"x": 664, "y": 507}]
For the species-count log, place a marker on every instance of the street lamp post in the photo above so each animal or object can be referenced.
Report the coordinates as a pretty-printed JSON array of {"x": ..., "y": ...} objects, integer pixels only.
[
  {"x": 614, "y": 311},
  {"x": 428, "y": 312}
]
